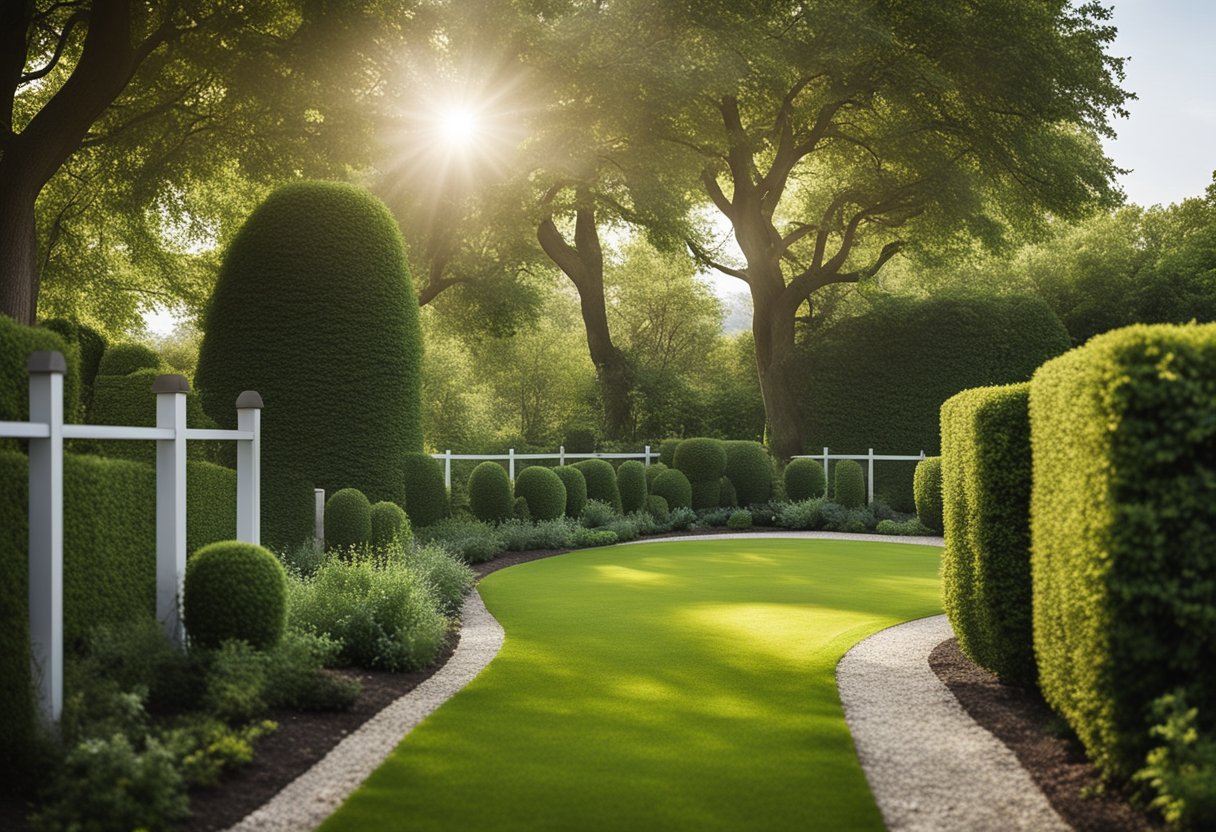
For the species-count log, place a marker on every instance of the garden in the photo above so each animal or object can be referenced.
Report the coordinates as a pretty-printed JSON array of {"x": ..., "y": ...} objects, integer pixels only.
[{"x": 380, "y": 448}]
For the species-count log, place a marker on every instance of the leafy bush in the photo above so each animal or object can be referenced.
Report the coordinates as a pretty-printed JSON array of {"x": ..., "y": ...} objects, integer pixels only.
[
  {"x": 449, "y": 579},
  {"x": 236, "y": 682},
  {"x": 703, "y": 461},
  {"x": 594, "y": 537},
  {"x": 521, "y": 536},
  {"x": 576, "y": 489},
  {"x": 625, "y": 529},
  {"x": 631, "y": 480},
  {"x": 713, "y": 518},
  {"x": 804, "y": 480},
  {"x": 490, "y": 497},
  {"x": 927, "y": 489},
  {"x": 426, "y": 497},
  {"x": 1181, "y": 769},
  {"x": 296, "y": 679},
  {"x": 470, "y": 540},
  {"x": 911, "y": 527},
  {"x": 90, "y": 345},
  {"x": 124, "y": 359},
  {"x": 741, "y": 519},
  {"x": 234, "y": 590},
  {"x": 727, "y": 498},
  {"x": 802, "y": 515},
  {"x": 596, "y": 513},
  {"x": 304, "y": 558},
  {"x": 601, "y": 482},
  {"x": 205, "y": 748},
  {"x": 656, "y": 507},
  {"x": 673, "y": 487},
  {"x": 579, "y": 439},
  {"x": 348, "y": 519},
  {"x": 543, "y": 491},
  {"x": 750, "y": 471},
  {"x": 838, "y": 518},
  {"x": 652, "y": 471},
  {"x": 519, "y": 510},
  {"x": 389, "y": 524},
  {"x": 681, "y": 518},
  {"x": 850, "y": 490},
  {"x": 667, "y": 452}
]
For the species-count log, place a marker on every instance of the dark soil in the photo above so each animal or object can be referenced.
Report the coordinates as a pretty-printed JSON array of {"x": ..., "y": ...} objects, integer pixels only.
[{"x": 1028, "y": 727}]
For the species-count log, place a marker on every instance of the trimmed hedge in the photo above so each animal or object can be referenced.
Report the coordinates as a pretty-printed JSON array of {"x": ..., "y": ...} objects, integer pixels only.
[
  {"x": 954, "y": 342},
  {"x": 1124, "y": 533},
  {"x": 631, "y": 480},
  {"x": 16, "y": 344},
  {"x": 849, "y": 489},
  {"x": 576, "y": 489},
  {"x": 727, "y": 496},
  {"x": 234, "y": 590},
  {"x": 314, "y": 308},
  {"x": 652, "y": 471},
  {"x": 601, "y": 482},
  {"x": 348, "y": 519},
  {"x": 426, "y": 496},
  {"x": 389, "y": 524},
  {"x": 656, "y": 507},
  {"x": 927, "y": 490},
  {"x": 124, "y": 359},
  {"x": 543, "y": 491},
  {"x": 804, "y": 480},
  {"x": 89, "y": 342},
  {"x": 128, "y": 400},
  {"x": 750, "y": 471},
  {"x": 673, "y": 487},
  {"x": 490, "y": 497},
  {"x": 667, "y": 451},
  {"x": 985, "y": 494}
]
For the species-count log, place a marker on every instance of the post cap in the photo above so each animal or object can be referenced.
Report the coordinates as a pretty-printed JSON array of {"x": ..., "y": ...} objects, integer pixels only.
[
  {"x": 47, "y": 361},
  {"x": 170, "y": 383},
  {"x": 249, "y": 400}
]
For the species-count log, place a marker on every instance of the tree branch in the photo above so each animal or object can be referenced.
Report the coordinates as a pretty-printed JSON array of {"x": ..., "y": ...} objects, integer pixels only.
[
  {"x": 701, "y": 256},
  {"x": 77, "y": 17},
  {"x": 715, "y": 193}
]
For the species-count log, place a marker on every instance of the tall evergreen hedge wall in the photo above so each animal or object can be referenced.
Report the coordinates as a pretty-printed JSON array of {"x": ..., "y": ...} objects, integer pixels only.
[
  {"x": 16, "y": 344},
  {"x": 315, "y": 309}
]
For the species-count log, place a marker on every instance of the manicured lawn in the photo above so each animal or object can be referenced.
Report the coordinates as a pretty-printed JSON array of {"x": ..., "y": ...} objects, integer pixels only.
[{"x": 661, "y": 686}]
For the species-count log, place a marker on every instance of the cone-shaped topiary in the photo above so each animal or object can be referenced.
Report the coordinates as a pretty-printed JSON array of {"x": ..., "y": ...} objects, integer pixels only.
[
  {"x": 314, "y": 308},
  {"x": 544, "y": 492},
  {"x": 667, "y": 451},
  {"x": 426, "y": 497},
  {"x": 656, "y": 507},
  {"x": 390, "y": 524},
  {"x": 601, "y": 482},
  {"x": 727, "y": 498},
  {"x": 124, "y": 359},
  {"x": 804, "y": 480},
  {"x": 927, "y": 488},
  {"x": 850, "y": 489},
  {"x": 631, "y": 480},
  {"x": 673, "y": 487},
  {"x": 348, "y": 519},
  {"x": 234, "y": 590},
  {"x": 750, "y": 471},
  {"x": 576, "y": 489},
  {"x": 652, "y": 471},
  {"x": 490, "y": 497}
]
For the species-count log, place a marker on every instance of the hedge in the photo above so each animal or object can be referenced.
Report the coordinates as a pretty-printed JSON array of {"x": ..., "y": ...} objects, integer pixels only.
[
  {"x": 703, "y": 461},
  {"x": 673, "y": 487},
  {"x": 667, "y": 451},
  {"x": 16, "y": 344},
  {"x": 927, "y": 491},
  {"x": 1124, "y": 533},
  {"x": 601, "y": 482},
  {"x": 857, "y": 391},
  {"x": 652, "y": 471},
  {"x": 849, "y": 489},
  {"x": 124, "y": 359},
  {"x": 750, "y": 471},
  {"x": 727, "y": 496},
  {"x": 426, "y": 496},
  {"x": 985, "y": 493},
  {"x": 89, "y": 342},
  {"x": 631, "y": 481},
  {"x": 576, "y": 488},
  {"x": 315, "y": 309},
  {"x": 543, "y": 491},
  {"x": 490, "y": 497},
  {"x": 804, "y": 479},
  {"x": 128, "y": 400}
]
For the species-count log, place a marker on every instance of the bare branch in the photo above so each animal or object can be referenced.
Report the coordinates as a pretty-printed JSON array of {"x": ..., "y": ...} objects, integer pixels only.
[
  {"x": 715, "y": 193},
  {"x": 701, "y": 256}
]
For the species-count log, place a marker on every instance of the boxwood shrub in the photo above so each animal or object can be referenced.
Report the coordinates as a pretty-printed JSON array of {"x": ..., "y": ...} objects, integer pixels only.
[
  {"x": 850, "y": 485},
  {"x": 576, "y": 489},
  {"x": 426, "y": 497},
  {"x": 927, "y": 489},
  {"x": 490, "y": 497},
  {"x": 656, "y": 507},
  {"x": 631, "y": 480},
  {"x": 125, "y": 358},
  {"x": 727, "y": 498},
  {"x": 804, "y": 480},
  {"x": 16, "y": 344},
  {"x": 234, "y": 590},
  {"x": 673, "y": 487},
  {"x": 750, "y": 471},
  {"x": 543, "y": 491},
  {"x": 652, "y": 471},
  {"x": 601, "y": 482},
  {"x": 1124, "y": 533},
  {"x": 389, "y": 525},
  {"x": 348, "y": 519},
  {"x": 667, "y": 451}
]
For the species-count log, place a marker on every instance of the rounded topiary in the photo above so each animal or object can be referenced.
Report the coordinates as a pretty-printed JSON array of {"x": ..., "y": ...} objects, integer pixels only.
[
  {"x": 673, "y": 487},
  {"x": 519, "y": 510},
  {"x": 701, "y": 459},
  {"x": 741, "y": 519},
  {"x": 601, "y": 482},
  {"x": 804, "y": 480},
  {"x": 390, "y": 524},
  {"x": 656, "y": 507},
  {"x": 750, "y": 471},
  {"x": 652, "y": 471},
  {"x": 490, "y": 497},
  {"x": 576, "y": 488},
  {"x": 348, "y": 519},
  {"x": 315, "y": 309},
  {"x": 631, "y": 480},
  {"x": 426, "y": 496},
  {"x": 727, "y": 498},
  {"x": 667, "y": 451},
  {"x": 124, "y": 359},
  {"x": 927, "y": 489},
  {"x": 850, "y": 489},
  {"x": 543, "y": 491},
  {"x": 234, "y": 590}
]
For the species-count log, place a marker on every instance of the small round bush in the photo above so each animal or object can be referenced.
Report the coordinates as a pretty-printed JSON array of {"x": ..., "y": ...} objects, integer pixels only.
[
  {"x": 631, "y": 480},
  {"x": 673, "y": 487},
  {"x": 750, "y": 471},
  {"x": 124, "y": 359},
  {"x": 741, "y": 519},
  {"x": 596, "y": 514},
  {"x": 543, "y": 491},
  {"x": 490, "y": 497},
  {"x": 576, "y": 489},
  {"x": 234, "y": 590},
  {"x": 389, "y": 524},
  {"x": 652, "y": 471},
  {"x": 656, "y": 507},
  {"x": 519, "y": 510},
  {"x": 601, "y": 482},
  {"x": 594, "y": 537},
  {"x": 426, "y": 497},
  {"x": 804, "y": 480},
  {"x": 927, "y": 489},
  {"x": 701, "y": 459},
  {"x": 348, "y": 519},
  {"x": 667, "y": 452},
  {"x": 850, "y": 489}
]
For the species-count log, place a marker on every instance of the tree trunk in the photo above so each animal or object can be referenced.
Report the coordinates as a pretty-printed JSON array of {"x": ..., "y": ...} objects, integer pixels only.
[
  {"x": 773, "y": 330},
  {"x": 18, "y": 252}
]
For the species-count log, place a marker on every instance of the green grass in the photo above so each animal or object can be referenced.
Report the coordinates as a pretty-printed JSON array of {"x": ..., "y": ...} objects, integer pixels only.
[{"x": 663, "y": 686}]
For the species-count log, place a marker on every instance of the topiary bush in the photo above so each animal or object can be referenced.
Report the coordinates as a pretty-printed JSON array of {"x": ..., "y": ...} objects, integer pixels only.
[
  {"x": 673, "y": 487},
  {"x": 124, "y": 359},
  {"x": 490, "y": 497},
  {"x": 927, "y": 488},
  {"x": 601, "y": 482},
  {"x": 727, "y": 498},
  {"x": 656, "y": 507},
  {"x": 804, "y": 480},
  {"x": 850, "y": 490},
  {"x": 234, "y": 590},
  {"x": 701, "y": 459},
  {"x": 1124, "y": 533},
  {"x": 90, "y": 345},
  {"x": 652, "y": 471},
  {"x": 750, "y": 471},
  {"x": 576, "y": 489},
  {"x": 348, "y": 519},
  {"x": 315, "y": 309},
  {"x": 543, "y": 492},
  {"x": 16, "y": 344},
  {"x": 389, "y": 524},
  {"x": 631, "y": 480},
  {"x": 667, "y": 451},
  {"x": 426, "y": 496}
]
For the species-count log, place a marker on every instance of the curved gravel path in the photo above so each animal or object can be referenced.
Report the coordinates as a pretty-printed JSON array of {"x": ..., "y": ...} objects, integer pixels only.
[{"x": 929, "y": 764}]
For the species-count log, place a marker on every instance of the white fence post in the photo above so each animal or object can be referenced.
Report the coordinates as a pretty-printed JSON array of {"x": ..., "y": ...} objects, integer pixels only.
[
  {"x": 561, "y": 454},
  {"x": 827, "y": 476},
  {"x": 447, "y": 469},
  {"x": 249, "y": 468},
  {"x": 318, "y": 515},
  {"x": 647, "y": 456},
  {"x": 46, "y": 532},
  {"x": 170, "y": 393},
  {"x": 511, "y": 459},
  {"x": 870, "y": 478}
]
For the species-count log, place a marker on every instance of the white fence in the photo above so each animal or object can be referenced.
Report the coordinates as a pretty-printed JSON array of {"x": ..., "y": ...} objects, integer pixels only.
[
  {"x": 510, "y": 456},
  {"x": 46, "y": 433},
  {"x": 869, "y": 458}
]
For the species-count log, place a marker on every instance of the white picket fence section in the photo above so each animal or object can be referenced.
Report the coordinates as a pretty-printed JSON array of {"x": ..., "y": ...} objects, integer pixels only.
[
  {"x": 869, "y": 458},
  {"x": 46, "y": 433},
  {"x": 510, "y": 456}
]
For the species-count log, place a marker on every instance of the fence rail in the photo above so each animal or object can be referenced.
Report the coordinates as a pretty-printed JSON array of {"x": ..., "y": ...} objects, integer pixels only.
[
  {"x": 510, "y": 456},
  {"x": 870, "y": 458}
]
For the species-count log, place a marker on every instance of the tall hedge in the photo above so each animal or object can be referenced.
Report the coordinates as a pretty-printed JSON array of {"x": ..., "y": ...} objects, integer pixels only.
[
  {"x": 576, "y": 488},
  {"x": 601, "y": 482},
  {"x": 985, "y": 500},
  {"x": 314, "y": 308},
  {"x": 426, "y": 496},
  {"x": 90, "y": 343},
  {"x": 126, "y": 358},
  {"x": 878, "y": 380},
  {"x": 631, "y": 481},
  {"x": 16, "y": 344},
  {"x": 129, "y": 400},
  {"x": 667, "y": 451},
  {"x": 750, "y": 471},
  {"x": 1124, "y": 532}
]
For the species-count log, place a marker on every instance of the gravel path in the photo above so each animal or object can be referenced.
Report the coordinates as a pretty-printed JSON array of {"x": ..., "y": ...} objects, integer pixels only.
[{"x": 930, "y": 765}]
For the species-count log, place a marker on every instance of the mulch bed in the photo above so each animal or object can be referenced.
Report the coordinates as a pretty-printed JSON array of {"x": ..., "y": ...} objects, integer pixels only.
[{"x": 1024, "y": 723}]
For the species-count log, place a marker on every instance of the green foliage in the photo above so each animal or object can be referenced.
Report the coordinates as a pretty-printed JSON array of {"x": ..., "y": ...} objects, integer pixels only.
[
  {"x": 16, "y": 344},
  {"x": 449, "y": 579},
  {"x": 667, "y": 452},
  {"x": 234, "y": 590},
  {"x": 296, "y": 679},
  {"x": 741, "y": 519},
  {"x": 673, "y": 487},
  {"x": 584, "y": 538},
  {"x": 825, "y": 515},
  {"x": 850, "y": 485},
  {"x": 543, "y": 492},
  {"x": 519, "y": 510},
  {"x": 125, "y": 358},
  {"x": 652, "y": 471},
  {"x": 523, "y": 536},
  {"x": 1123, "y": 442},
  {"x": 348, "y": 519},
  {"x": 576, "y": 488},
  {"x": 206, "y": 748},
  {"x": 426, "y": 497},
  {"x": 317, "y": 279},
  {"x": 656, "y": 507},
  {"x": 89, "y": 342},
  {"x": 579, "y": 439},
  {"x": 236, "y": 681},
  {"x": 901, "y": 528},
  {"x": 389, "y": 525},
  {"x": 128, "y": 400},
  {"x": 631, "y": 480},
  {"x": 750, "y": 471},
  {"x": 471, "y": 540},
  {"x": 701, "y": 459},
  {"x": 490, "y": 493},
  {"x": 601, "y": 482},
  {"x": 1181, "y": 769},
  {"x": 625, "y": 529},
  {"x": 927, "y": 489},
  {"x": 727, "y": 498},
  {"x": 804, "y": 480},
  {"x": 595, "y": 514}
]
